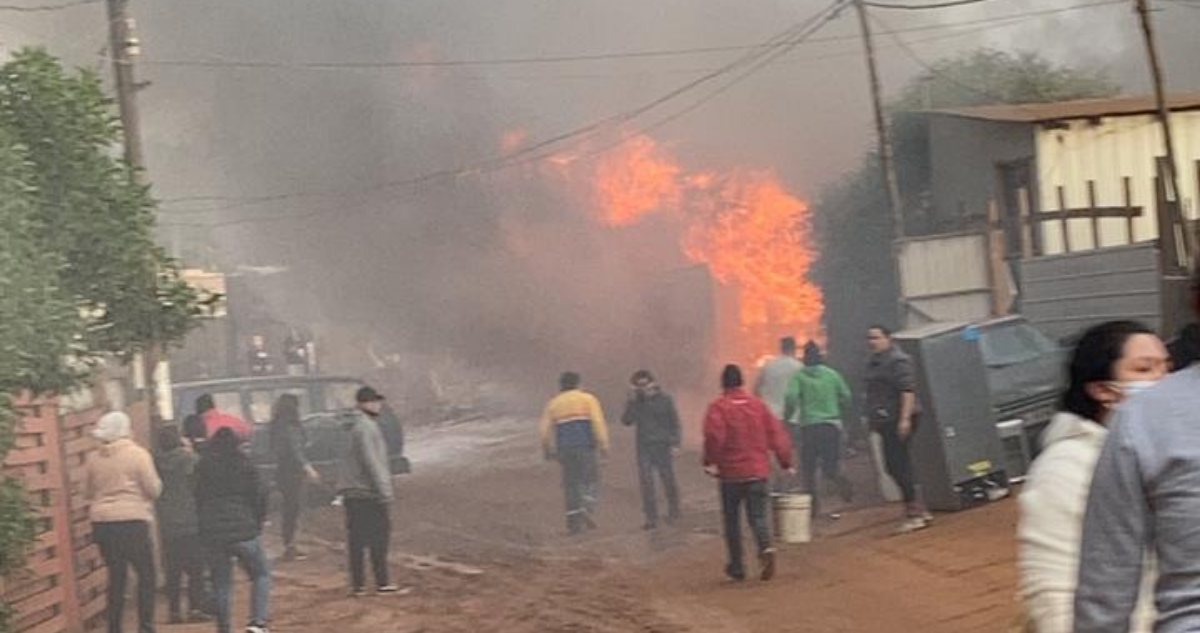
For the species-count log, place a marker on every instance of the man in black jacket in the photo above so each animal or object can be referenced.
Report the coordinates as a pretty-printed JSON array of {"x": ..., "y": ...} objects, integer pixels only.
[
  {"x": 232, "y": 505},
  {"x": 653, "y": 413}
]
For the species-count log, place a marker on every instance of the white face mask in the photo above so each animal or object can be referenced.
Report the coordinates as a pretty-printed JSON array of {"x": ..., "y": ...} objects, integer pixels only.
[{"x": 1131, "y": 388}]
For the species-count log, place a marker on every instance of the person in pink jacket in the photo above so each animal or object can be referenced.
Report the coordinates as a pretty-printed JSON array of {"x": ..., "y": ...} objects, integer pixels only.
[{"x": 121, "y": 487}]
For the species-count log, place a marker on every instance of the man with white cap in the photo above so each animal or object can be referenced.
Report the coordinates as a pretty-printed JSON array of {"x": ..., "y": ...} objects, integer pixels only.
[{"x": 121, "y": 486}]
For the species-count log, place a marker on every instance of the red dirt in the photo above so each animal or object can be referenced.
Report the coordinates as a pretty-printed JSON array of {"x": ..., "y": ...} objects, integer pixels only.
[{"x": 494, "y": 506}]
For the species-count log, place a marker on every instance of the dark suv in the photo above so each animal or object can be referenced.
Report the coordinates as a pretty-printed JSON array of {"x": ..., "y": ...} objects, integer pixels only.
[{"x": 325, "y": 403}]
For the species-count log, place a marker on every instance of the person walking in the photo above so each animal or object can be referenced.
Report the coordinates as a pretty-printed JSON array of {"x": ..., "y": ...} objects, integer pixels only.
[
  {"x": 818, "y": 399},
  {"x": 232, "y": 504},
  {"x": 892, "y": 410},
  {"x": 574, "y": 432},
  {"x": 740, "y": 435},
  {"x": 652, "y": 412},
  {"x": 179, "y": 527},
  {"x": 365, "y": 486},
  {"x": 1145, "y": 495},
  {"x": 1111, "y": 362},
  {"x": 292, "y": 468},
  {"x": 771, "y": 385},
  {"x": 121, "y": 487}
]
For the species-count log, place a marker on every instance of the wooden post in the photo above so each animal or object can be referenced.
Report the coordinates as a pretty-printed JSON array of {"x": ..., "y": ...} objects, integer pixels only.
[
  {"x": 1127, "y": 186},
  {"x": 1066, "y": 226},
  {"x": 1091, "y": 189},
  {"x": 997, "y": 248}
]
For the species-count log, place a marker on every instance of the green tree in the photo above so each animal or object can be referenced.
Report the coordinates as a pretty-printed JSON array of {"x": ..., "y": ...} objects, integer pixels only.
[
  {"x": 80, "y": 275},
  {"x": 852, "y": 220}
]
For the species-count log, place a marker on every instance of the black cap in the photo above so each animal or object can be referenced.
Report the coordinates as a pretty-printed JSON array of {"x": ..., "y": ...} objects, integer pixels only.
[{"x": 368, "y": 394}]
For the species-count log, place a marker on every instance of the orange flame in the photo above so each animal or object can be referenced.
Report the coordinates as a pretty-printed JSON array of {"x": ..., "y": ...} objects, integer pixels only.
[{"x": 752, "y": 233}]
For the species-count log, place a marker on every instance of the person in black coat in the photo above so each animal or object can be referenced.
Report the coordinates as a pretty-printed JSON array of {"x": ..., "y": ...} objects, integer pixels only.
[
  {"x": 292, "y": 468},
  {"x": 653, "y": 412},
  {"x": 179, "y": 527},
  {"x": 232, "y": 505}
]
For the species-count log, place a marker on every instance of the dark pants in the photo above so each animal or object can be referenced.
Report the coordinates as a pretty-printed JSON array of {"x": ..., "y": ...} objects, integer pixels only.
[
  {"x": 656, "y": 459},
  {"x": 369, "y": 527},
  {"x": 898, "y": 462},
  {"x": 579, "y": 482},
  {"x": 184, "y": 556},
  {"x": 254, "y": 560},
  {"x": 753, "y": 494},
  {"x": 820, "y": 446},
  {"x": 291, "y": 489},
  {"x": 125, "y": 544}
]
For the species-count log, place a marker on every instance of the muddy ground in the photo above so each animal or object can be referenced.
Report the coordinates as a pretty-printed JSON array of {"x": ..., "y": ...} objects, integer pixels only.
[{"x": 479, "y": 545}]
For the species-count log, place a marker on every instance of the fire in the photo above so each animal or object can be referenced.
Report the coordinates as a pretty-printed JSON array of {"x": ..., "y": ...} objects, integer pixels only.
[
  {"x": 752, "y": 234},
  {"x": 637, "y": 182}
]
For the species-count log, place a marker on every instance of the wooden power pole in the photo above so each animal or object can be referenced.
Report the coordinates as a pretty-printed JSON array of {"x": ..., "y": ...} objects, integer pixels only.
[
  {"x": 124, "y": 46},
  {"x": 887, "y": 158},
  {"x": 1170, "y": 177}
]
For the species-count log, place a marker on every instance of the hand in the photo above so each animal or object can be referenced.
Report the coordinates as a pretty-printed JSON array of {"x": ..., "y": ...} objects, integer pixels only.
[
  {"x": 312, "y": 474},
  {"x": 904, "y": 429},
  {"x": 712, "y": 470},
  {"x": 791, "y": 471}
]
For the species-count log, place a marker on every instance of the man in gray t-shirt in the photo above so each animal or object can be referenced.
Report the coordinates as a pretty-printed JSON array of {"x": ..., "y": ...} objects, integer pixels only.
[{"x": 1146, "y": 496}]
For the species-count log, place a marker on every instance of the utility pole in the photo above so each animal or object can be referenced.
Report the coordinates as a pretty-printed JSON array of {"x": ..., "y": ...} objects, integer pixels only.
[
  {"x": 1171, "y": 178},
  {"x": 887, "y": 159},
  {"x": 124, "y": 46}
]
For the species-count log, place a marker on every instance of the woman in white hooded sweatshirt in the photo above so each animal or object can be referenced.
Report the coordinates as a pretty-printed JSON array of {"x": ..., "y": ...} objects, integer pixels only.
[
  {"x": 1111, "y": 362},
  {"x": 121, "y": 487}
]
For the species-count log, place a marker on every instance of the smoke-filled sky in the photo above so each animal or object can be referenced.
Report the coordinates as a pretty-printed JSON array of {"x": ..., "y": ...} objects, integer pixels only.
[{"x": 508, "y": 263}]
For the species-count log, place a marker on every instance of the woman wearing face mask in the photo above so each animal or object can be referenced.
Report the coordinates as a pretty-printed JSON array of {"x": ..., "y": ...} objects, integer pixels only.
[{"x": 1111, "y": 362}]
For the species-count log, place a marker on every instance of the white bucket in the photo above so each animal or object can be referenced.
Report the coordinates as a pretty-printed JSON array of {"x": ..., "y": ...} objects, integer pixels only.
[{"x": 793, "y": 517}]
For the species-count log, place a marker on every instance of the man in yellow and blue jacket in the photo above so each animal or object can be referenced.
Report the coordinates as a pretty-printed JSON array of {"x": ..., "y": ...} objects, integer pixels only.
[{"x": 573, "y": 432}]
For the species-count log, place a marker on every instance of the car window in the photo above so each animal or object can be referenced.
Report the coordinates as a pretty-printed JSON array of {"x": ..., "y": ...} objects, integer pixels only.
[
  {"x": 229, "y": 401},
  {"x": 340, "y": 395},
  {"x": 1012, "y": 344},
  {"x": 262, "y": 401}
]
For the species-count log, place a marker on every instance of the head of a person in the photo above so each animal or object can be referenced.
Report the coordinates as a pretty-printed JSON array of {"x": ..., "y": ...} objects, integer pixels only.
[
  {"x": 879, "y": 338},
  {"x": 1111, "y": 362},
  {"x": 286, "y": 410},
  {"x": 812, "y": 354},
  {"x": 569, "y": 380},
  {"x": 642, "y": 381},
  {"x": 369, "y": 400},
  {"x": 205, "y": 403},
  {"x": 731, "y": 377},
  {"x": 787, "y": 346},
  {"x": 224, "y": 444},
  {"x": 113, "y": 426},
  {"x": 167, "y": 438}
]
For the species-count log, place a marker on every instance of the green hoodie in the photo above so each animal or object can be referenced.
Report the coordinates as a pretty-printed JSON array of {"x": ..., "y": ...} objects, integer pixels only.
[{"x": 816, "y": 395}]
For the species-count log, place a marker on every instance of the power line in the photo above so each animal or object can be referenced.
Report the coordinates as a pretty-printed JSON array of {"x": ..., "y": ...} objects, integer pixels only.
[
  {"x": 44, "y": 8},
  {"x": 754, "y": 62},
  {"x": 220, "y": 63},
  {"x": 922, "y": 7},
  {"x": 753, "y": 59}
]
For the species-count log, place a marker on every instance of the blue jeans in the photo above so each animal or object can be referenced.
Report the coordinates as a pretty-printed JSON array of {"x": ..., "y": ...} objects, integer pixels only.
[{"x": 254, "y": 560}]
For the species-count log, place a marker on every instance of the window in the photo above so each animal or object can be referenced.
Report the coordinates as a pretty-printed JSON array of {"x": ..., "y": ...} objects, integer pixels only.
[
  {"x": 1012, "y": 344},
  {"x": 262, "y": 402},
  {"x": 340, "y": 395}
]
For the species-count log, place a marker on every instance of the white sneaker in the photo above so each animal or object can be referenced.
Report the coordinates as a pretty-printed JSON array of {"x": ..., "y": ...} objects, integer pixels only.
[
  {"x": 912, "y": 524},
  {"x": 257, "y": 628}
]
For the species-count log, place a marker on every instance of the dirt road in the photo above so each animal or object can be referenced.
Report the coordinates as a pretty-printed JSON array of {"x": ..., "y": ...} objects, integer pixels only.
[{"x": 480, "y": 546}]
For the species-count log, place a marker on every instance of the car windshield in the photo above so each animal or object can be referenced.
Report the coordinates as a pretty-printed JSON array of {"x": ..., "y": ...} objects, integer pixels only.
[
  {"x": 1012, "y": 344},
  {"x": 340, "y": 395},
  {"x": 262, "y": 402}
]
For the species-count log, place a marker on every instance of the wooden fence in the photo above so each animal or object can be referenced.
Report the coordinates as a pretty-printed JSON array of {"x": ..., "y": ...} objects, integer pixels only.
[{"x": 62, "y": 591}]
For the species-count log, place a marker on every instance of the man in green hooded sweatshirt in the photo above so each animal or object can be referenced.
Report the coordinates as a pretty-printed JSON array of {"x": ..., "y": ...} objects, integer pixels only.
[{"x": 817, "y": 400}]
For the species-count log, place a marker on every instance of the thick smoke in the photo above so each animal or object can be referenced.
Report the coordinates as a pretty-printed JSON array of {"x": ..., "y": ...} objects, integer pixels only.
[{"x": 507, "y": 269}]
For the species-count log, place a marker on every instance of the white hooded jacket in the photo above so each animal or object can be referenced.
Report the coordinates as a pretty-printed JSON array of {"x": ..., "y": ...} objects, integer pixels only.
[{"x": 1050, "y": 528}]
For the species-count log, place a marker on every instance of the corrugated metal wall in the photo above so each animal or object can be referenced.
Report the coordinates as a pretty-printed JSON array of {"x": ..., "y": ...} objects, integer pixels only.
[
  {"x": 1064, "y": 294},
  {"x": 1107, "y": 153},
  {"x": 945, "y": 278}
]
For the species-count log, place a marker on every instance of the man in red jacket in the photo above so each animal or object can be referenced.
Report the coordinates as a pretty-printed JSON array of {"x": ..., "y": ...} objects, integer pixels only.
[{"x": 740, "y": 434}]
